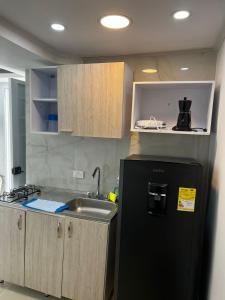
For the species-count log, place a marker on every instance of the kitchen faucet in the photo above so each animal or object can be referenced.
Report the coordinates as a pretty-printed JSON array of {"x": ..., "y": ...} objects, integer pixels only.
[{"x": 97, "y": 169}]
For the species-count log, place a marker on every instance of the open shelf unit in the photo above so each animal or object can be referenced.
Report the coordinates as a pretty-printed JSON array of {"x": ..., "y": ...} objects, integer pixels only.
[
  {"x": 160, "y": 99},
  {"x": 43, "y": 98}
]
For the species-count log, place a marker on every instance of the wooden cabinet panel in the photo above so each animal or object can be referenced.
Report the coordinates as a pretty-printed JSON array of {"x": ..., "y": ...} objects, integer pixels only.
[
  {"x": 93, "y": 257},
  {"x": 66, "y": 93},
  {"x": 93, "y": 99},
  {"x": 44, "y": 253},
  {"x": 98, "y": 103},
  {"x": 85, "y": 256},
  {"x": 12, "y": 239},
  {"x": 71, "y": 258}
]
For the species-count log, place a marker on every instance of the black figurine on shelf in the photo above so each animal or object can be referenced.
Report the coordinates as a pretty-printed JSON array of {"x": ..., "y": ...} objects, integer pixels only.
[{"x": 184, "y": 118}]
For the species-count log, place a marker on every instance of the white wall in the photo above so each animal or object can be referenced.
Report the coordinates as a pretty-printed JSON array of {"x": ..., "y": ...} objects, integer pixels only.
[
  {"x": 51, "y": 159},
  {"x": 216, "y": 220},
  {"x": 201, "y": 63},
  {"x": 3, "y": 86}
]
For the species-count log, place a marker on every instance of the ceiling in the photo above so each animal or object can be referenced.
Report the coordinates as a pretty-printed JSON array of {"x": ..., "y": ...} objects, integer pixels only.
[
  {"x": 17, "y": 59},
  {"x": 152, "y": 29}
]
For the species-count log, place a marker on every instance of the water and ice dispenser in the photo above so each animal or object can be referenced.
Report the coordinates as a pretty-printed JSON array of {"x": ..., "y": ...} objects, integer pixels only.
[{"x": 157, "y": 198}]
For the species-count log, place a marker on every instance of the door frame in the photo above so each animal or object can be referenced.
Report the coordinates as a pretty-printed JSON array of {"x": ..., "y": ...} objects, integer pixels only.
[
  {"x": 8, "y": 140},
  {"x": 8, "y": 182}
]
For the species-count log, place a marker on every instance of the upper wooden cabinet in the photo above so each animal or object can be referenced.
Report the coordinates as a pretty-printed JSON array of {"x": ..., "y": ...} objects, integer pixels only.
[
  {"x": 66, "y": 92},
  {"x": 94, "y": 99}
]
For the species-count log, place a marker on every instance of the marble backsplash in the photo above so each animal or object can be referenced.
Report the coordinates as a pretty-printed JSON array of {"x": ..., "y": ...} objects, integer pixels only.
[{"x": 51, "y": 159}]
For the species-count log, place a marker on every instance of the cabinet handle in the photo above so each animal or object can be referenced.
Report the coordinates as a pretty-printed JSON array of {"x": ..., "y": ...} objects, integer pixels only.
[
  {"x": 70, "y": 230},
  {"x": 59, "y": 229},
  {"x": 65, "y": 130},
  {"x": 19, "y": 222}
]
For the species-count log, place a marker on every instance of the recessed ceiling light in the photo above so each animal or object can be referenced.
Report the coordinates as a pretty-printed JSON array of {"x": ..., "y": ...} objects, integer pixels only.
[
  {"x": 115, "y": 21},
  {"x": 58, "y": 27},
  {"x": 181, "y": 14},
  {"x": 184, "y": 69},
  {"x": 149, "y": 71}
]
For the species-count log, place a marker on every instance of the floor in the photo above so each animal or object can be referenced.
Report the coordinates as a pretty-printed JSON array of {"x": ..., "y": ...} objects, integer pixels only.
[{"x": 12, "y": 292}]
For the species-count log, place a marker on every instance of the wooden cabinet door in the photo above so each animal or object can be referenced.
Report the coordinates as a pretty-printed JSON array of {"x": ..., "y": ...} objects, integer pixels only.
[
  {"x": 12, "y": 239},
  {"x": 98, "y": 101},
  {"x": 44, "y": 253},
  {"x": 92, "y": 99},
  {"x": 66, "y": 93},
  {"x": 71, "y": 258},
  {"x": 85, "y": 256}
]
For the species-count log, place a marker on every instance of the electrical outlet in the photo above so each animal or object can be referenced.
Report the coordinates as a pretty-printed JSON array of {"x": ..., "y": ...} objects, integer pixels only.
[{"x": 78, "y": 174}]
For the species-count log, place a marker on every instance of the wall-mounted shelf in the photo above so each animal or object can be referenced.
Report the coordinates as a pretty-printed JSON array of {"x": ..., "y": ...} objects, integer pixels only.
[
  {"x": 43, "y": 94},
  {"x": 160, "y": 99},
  {"x": 45, "y": 99},
  {"x": 45, "y": 132}
]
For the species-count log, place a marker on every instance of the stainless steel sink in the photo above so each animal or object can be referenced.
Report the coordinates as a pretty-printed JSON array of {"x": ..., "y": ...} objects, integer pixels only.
[{"x": 91, "y": 209}]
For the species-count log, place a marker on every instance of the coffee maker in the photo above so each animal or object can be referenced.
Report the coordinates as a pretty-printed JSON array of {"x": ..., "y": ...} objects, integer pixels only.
[{"x": 184, "y": 117}]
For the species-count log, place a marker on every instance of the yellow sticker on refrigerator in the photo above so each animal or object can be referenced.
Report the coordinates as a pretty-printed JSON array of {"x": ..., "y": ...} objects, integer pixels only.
[{"x": 186, "y": 199}]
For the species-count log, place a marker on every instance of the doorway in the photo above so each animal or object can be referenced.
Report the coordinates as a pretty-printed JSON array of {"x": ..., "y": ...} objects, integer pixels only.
[{"x": 12, "y": 134}]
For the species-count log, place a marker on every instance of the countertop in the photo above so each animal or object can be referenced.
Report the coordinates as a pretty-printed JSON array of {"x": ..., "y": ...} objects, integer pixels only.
[{"x": 52, "y": 194}]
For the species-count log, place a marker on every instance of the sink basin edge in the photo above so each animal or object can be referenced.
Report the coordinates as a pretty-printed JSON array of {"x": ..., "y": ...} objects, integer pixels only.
[{"x": 91, "y": 209}]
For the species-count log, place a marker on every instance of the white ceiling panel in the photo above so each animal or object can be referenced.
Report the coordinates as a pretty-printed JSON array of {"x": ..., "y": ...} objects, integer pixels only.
[{"x": 152, "y": 29}]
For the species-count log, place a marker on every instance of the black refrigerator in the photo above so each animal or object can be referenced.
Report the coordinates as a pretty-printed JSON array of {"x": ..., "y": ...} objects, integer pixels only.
[{"x": 160, "y": 229}]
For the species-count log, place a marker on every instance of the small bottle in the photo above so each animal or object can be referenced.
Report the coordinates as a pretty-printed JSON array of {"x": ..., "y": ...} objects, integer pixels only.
[
  {"x": 53, "y": 122},
  {"x": 116, "y": 188}
]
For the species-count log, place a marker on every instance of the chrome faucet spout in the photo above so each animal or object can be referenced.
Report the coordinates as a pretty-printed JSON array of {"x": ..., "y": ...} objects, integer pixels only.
[{"x": 97, "y": 169}]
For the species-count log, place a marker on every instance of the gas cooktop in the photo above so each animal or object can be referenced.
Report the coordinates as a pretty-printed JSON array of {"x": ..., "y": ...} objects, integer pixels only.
[{"x": 20, "y": 194}]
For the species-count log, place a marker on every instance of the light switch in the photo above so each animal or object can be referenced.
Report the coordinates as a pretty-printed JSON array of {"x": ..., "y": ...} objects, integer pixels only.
[{"x": 79, "y": 174}]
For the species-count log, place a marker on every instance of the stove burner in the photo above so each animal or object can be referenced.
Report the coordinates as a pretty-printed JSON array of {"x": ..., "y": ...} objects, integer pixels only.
[{"x": 20, "y": 193}]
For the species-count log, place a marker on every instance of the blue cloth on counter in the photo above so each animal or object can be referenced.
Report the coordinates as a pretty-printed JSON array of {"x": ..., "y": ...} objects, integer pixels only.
[{"x": 46, "y": 205}]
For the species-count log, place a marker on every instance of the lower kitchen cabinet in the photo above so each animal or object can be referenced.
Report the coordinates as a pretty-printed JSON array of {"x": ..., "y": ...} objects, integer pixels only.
[
  {"x": 58, "y": 255},
  {"x": 44, "y": 253},
  {"x": 12, "y": 241},
  {"x": 85, "y": 259}
]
